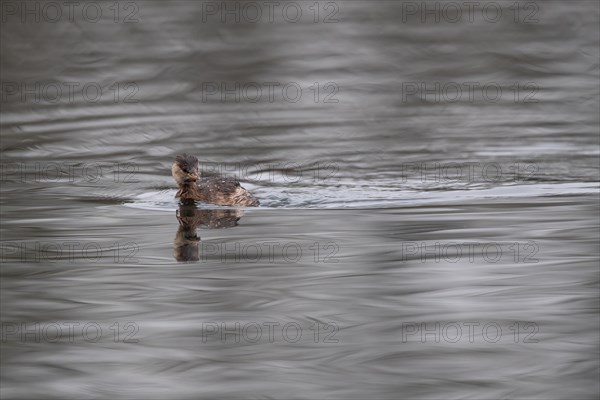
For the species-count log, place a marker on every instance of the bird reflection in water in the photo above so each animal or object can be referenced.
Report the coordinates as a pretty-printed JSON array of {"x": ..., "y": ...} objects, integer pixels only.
[{"x": 186, "y": 246}]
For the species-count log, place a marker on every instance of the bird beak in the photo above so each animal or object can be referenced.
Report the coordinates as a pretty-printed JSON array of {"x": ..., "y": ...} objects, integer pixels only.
[{"x": 191, "y": 178}]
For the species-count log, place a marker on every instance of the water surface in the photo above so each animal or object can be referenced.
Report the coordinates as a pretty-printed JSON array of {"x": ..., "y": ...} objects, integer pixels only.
[{"x": 407, "y": 245}]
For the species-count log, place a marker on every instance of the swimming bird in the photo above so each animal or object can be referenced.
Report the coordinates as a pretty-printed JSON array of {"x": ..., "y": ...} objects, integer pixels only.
[{"x": 222, "y": 191}]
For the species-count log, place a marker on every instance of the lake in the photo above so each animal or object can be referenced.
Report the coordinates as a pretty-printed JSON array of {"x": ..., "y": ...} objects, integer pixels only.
[{"x": 428, "y": 174}]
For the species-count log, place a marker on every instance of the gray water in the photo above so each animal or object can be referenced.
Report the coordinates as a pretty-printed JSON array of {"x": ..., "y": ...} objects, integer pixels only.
[{"x": 412, "y": 241}]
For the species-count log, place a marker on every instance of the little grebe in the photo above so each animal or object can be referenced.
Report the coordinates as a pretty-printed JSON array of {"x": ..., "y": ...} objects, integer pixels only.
[{"x": 214, "y": 190}]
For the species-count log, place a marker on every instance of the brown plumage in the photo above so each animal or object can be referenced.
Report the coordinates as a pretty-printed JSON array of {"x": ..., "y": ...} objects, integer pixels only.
[{"x": 214, "y": 190}]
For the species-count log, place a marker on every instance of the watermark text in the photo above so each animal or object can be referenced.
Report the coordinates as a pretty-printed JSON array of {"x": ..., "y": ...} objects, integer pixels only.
[
  {"x": 453, "y": 252},
  {"x": 270, "y": 251},
  {"x": 69, "y": 332},
  {"x": 69, "y": 11},
  {"x": 469, "y": 332},
  {"x": 251, "y": 12},
  {"x": 68, "y": 92},
  {"x": 268, "y": 332},
  {"x": 71, "y": 251},
  {"x": 68, "y": 171}
]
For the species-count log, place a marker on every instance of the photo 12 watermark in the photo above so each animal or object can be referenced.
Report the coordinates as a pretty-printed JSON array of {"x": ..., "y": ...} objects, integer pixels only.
[
  {"x": 469, "y": 92},
  {"x": 252, "y": 12},
  {"x": 471, "y": 252},
  {"x": 287, "y": 172},
  {"x": 53, "y": 12},
  {"x": 454, "y": 12},
  {"x": 69, "y": 332},
  {"x": 71, "y": 251},
  {"x": 269, "y": 92},
  {"x": 270, "y": 252},
  {"x": 68, "y": 92},
  {"x": 69, "y": 172},
  {"x": 469, "y": 332},
  {"x": 468, "y": 172},
  {"x": 268, "y": 332}
]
